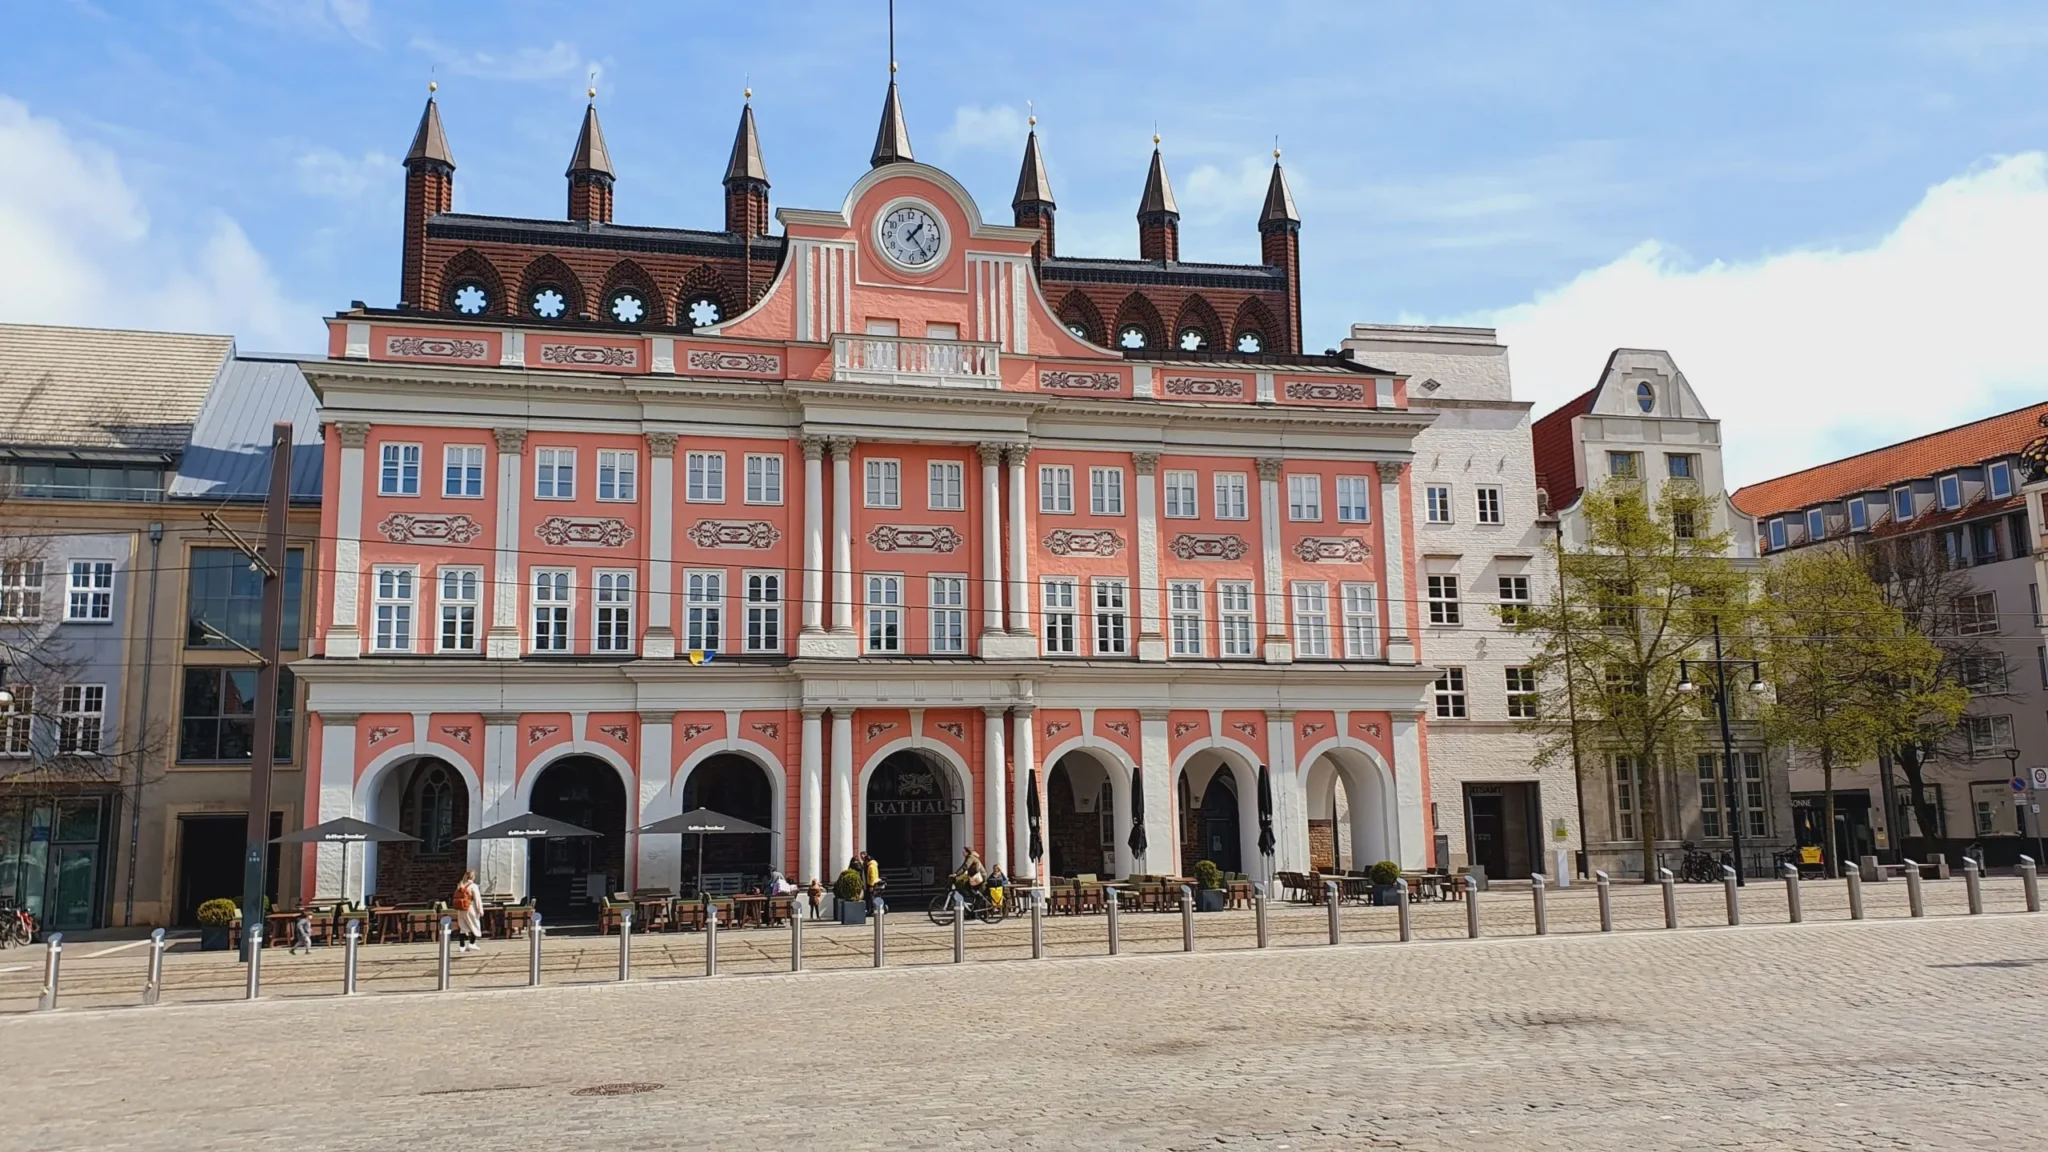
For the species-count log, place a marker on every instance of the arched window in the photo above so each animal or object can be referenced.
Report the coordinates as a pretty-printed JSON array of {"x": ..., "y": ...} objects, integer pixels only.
[
  {"x": 548, "y": 302},
  {"x": 433, "y": 810},
  {"x": 1250, "y": 342},
  {"x": 469, "y": 297},
  {"x": 1646, "y": 396},
  {"x": 1130, "y": 336},
  {"x": 1079, "y": 329},
  {"x": 626, "y": 307},
  {"x": 1193, "y": 340},
  {"x": 702, "y": 311}
]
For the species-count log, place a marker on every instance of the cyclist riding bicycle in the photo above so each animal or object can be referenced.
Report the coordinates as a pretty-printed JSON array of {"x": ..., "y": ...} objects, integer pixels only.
[{"x": 969, "y": 877}]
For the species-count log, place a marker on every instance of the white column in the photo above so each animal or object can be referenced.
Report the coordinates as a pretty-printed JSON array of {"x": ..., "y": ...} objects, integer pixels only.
[
  {"x": 1290, "y": 795},
  {"x": 1025, "y": 759},
  {"x": 810, "y": 801},
  {"x": 501, "y": 863},
  {"x": 814, "y": 534},
  {"x": 660, "y": 641},
  {"x": 661, "y": 859},
  {"x": 1394, "y": 565},
  {"x": 344, "y": 634},
  {"x": 502, "y": 643},
  {"x": 842, "y": 535},
  {"x": 1020, "y": 543},
  {"x": 1155, "y": 756},
  {"x": 995, "y": 791},
  {"x": 842, "y": 789},
  {"x": 1411, "y": 810},
  {"x": 337, "y": 777},
  {"x": 1277, "y": 648},
  {"x": 1151, "y": 632},
  {"x": 991, "y": 539}
]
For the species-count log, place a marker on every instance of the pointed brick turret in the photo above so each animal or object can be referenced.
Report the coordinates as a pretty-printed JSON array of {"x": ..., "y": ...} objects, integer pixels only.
[
  {"x": 892, "y": 139},
  {"x": 746, "y": 180},
  {"x": 1280, "y": 245},
  {"x": 429, "y": 190},
  {"x": 1158, "y": 215},
  {"x": 1033, "y": 204},
  {"x": 590, "y": 172}
]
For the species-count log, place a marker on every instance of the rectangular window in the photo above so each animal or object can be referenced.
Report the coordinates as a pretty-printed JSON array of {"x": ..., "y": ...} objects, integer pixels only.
[
  {"x": 1305, "y": 498},
  {"x": 1230, "y": 498},
  {"x": 1486, "y": 506},
  {"x": 1055, "y": 488},
  {"x": 764, "y": 612},
  {"x": 1989, "y": 735},
  {"x": 948, "y": 491},
  {"x": 949, "y": 614},
  {"x": 224, "y": 599},
  {"x": 704, "y": 478},
  {"x": 554, "y": 473},
  {"x": 1234, "y": 617},
  {"x": 1983, "y": 673},
  {"x": 1184, "y": 616},
  {"x": 394, "y": 610},
  {"x": 1859, "y": 515},
  {"x": 1998, "y": 479},
  {"x": 704, "y": 611},
  {"x": 1437, "y": 503},
  {"x": 1514, "y": 599},
  {"x": 764, "y": 479},
  {"x": 885, "y": 614},
  {"x": 17, "y": 722},
  {"x": 400, "y": 474},
  {"x": 1180, "y": 496},
  {"x": 1776, "y": 531},
  {"x": 1977, "y": 615},
  {"x": 1683, "y": 527},
  {"x": 612, "y": 610},
  {"x": 1521, "y": 685},
  {"x": 1756, "y": 816},
  {"x": 1112, "y": 618},
  {"x": 1681, "y": 466},
  {"x": 617, "y": 475},
  {"x": 462, "y": 470},
  {"x": 21, "y": 590},
  {"x": 1354, "y": 500},
  {"x": 1624, "y": 798},
  {"x": 217, "y": 718},
  {"x": 1711, "y": 803},
  {"x": 1625, "y": 465},
  {"x": 1443, "y": 600},
  {"x": 884, "y": 488},
  {"x": 81, "y": 719},
  {"x": 1361, "y": 621},
  {"x": 458, "y": 603},
  {"x": 1902, "y": 504},
  {"x": 1061, "y": 633},
  {"x": 1816, "y": 525},
  {"x": 1951, "y": 488},
  {"x": 551, "y": 610},
  {"x": 1106, "y": 491},
  {"x": 91, "y": 591},
  {"x": 1311, "y": 619},
  {"x": 1450, "y": 694}
]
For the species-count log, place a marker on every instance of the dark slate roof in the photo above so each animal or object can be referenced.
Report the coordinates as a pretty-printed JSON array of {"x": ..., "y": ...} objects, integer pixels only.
[
  {"x": 892, "y": 137},
  {"x": 1081, "y": 270},
  {"x": 1032, "y": 186},
  {"x": 1305, "y": 360},
  {"x": 746, "y": 152},
  {"x": 1279, "y": 198},
  {"x": 579, "y": 234},
  {"x": 228, "y": 454},
  {"x": 1158, "y": 196},
  {"x": 430, "y": 143},
  {"x": 591, "y": 154}
]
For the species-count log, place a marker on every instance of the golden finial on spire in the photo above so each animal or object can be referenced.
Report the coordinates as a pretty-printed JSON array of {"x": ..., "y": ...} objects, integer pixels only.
[
  {"x": 748, "y": 93},
  {"x": 432, "y": 87},
  {"x": 892, "y": 67},
  {"x": 1155, "y": 139},
  {"x": 1031, "y": 112},
  {"x": 591, "y": 92},
  {"x": 1276, "y": 146}
]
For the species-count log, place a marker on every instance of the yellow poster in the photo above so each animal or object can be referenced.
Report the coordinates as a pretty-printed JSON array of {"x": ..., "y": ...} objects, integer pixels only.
[{"x": 1809, "y": 855}]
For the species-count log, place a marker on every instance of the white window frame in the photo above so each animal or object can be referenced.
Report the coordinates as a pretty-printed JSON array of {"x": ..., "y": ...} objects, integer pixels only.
[
  {"x": 1816, "y": 524},
  {"x": 946, "y": 486},
  {"x": 1184, "y": 617},
  {"x": 1989, "y": 735},
  {"x": 1105, "y": 491},
  {"x": 1445, "y": 600},
  {"x": 1633, "y": 462},
  {"x": 1487, "y": 505},
  {"x": 1522, "y": 694},
  {"x": 458, "y": 603},
  {"x": 1949, "y": 492},
  {"x": 1774, "y": 533},
  {"x": 1998, "y": 479},
  {"x": 81, "y": 719},
  {"x": 1859, "y": 514},
  {"x": 1360, "y": 606},
  {"x": 1110, "y": 616},
  {"x": 21, "y": 591},
  {"x": 18, "y": 722},
  {"x": 704, "y": 610},
  {"x": 462, "y": 471},
  {"x": 762, "y": 592},
  {"x": 398, "y": 468},
  {"x": 1713, "y": 799},
  {"x": 1311, "y": 603},
  {"x": 1436, "y": 502},
  {"x": 1514, "y": 597},
  {"x": 552, "y": 591},
  {"x": 1232, "y": 501},
  {"x": 1354, "y": 500},
  {"x": 394, "y": 612},
  {"x": 1981, "y": 618},
  {"x": 1448, "y": 695},
  {"x": 948, "y": 614},
  {"x": 613, "y": 594},
  {"x": 882, "y": 613},
  {"x": 1183, "y": 501},
  {"x": 1062, "y": 632},
  {"x": 1627, "y": 799},
  {"x": 1056, "y": 489},
  {"x": 882, "y": 482},
  {"x": 764, "y": 478},
  {"x": 1305, "y": 497},
  {"x": 1903, "y": 503},
  {"x": 89, "y": 592},
  {"x": 1236, "y": 635},
  {"x": 554, "y": 473},
  {"x": 704, "y": 478},
  {"x": 619, "y": 470}
]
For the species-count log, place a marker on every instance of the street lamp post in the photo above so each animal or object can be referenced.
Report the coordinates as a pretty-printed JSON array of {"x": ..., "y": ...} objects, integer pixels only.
[
  {"x": 1731, "y": 781},
  {"x": 2012, "y": 769}
]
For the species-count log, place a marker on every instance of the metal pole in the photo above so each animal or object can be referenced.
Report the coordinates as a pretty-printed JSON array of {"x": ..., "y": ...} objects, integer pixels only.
[
  {"x": 533, "y": 938},
  {"x": 153, "y": 983},
  {"x": 1792, "y": 904},
  {"x": 1187, "y": 919},
  {"x": 1259, "y": 915},
  {"x": 1914, "y": 903},
  {"x": 263, "y": 734},
  {"x": 711, "y": 938},
  {"x": 1110, "y": 910},
  {"x": 1401, "y": 910},
  {"x": 351, "y": 941},
  {"x": 1601, "y": 884},
  {"x": 959, "y": 929},
  {"x": 1471, "y": 906},
  {"x": 1729, "y": 879},
  {"x": 625, "y": 945},
  {"x": 1731, "y": 782},
  {"x": 2031, "y": 882},
  {"x": 881, "y": 914},
  {"x": 1855, "y": 878},
  {"x": 1670, "y": 884},
  {"x": 1336, "y": 921},
  {"x": 252, "y": 939},
  {"x": 1037, "y": 924},
  {"x": 1973, "y": 886},
  {"x": 441, "y": 976},
  {"x": 796, "y": 938},
  {"x": 1536, "y": 894},
  {"x": 53, "y": 961}
]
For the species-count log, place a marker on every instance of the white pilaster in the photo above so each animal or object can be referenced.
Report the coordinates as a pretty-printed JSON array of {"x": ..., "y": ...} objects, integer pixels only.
[
  {"x": 502, "y": 643},
  {"x": 814, "y": 534},
  {"x": 810, "y": 800},
  {"x": 996, "y": 795},
  {"x": 991, "y": 539},
  {"x": 1278, "y": 649},
  {"x": 1026, "y": 758},
  {"x": 1020, "y": 543},
  {"x": 1400, "y": 646},
  {"x": 1155, "y": 756},
  {"x": 344, "y": 635},
  {"x": 842, "y": 790},
  {"x": 1290, "y": 795},
  {"x": 661, "y": 857},
  {"x": 660, "y": 642},
  {"x": 842, "y": 535},
  {"x": 337, "y": 777},
  {"x": 1151, "y": 632},
  {"x": 502, "y": 863},
  {"x": 1411, "y": 817}
]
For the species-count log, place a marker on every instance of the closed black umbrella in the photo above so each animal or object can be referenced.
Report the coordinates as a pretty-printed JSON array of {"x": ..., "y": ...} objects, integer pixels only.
[
  {"x": 1137, "y": 840},
  {"x": 1031, "y": 814},
  {"x": 345, "y": 831},
  {"x": 1266, "y": 841}
]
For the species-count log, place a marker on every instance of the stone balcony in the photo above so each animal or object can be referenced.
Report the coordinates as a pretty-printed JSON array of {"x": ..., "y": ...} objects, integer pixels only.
[{"x": 923, "y": 363}]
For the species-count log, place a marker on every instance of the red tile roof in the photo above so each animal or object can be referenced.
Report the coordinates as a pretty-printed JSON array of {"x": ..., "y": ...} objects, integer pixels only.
[
  {"x": 1556, "y": 452},
  {"x": 1914, "y": 459}
]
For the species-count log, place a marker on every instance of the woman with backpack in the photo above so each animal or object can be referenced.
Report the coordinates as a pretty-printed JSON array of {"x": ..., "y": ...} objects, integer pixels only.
[{"x": 467, "y": 912}]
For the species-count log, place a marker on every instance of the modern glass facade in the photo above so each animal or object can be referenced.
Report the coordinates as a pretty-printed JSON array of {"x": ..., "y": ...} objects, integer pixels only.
[{"x": 53, "y": 853}]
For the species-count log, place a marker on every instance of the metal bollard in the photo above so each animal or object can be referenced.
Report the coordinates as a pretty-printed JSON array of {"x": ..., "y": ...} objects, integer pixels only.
[
  {"x": 1187, "y": 918},
  {"x": 1855, "y": 878},
  {"x": 1110, "y": 910},
  {"x": 442, "y": 980},
  {"x": 1792, "y": 904},
  {"x": 533, "y": 939},
  {"x": 1604, "y": 887},
  {"x": 1336, "y": 916},
  {"x": 351, "y": 941},
  {"x": 1914, "y": 902},
  {"x": 1401, "y": 910},
  {"x": 1670, "y": 884},
  {"x": 1973, "y": 884},
  {"x": 881, "y": 914},
  {"x": 1536, "y": 894},
  {"x": 153, "y": 981},
  {"x": 2031, "y": 882},
  {"x": 253, "y": 940},
  {"x": 711, "y": 938},
  {"x": 796, "y": 938},
  {"x": 1471, "y": 907},
  {"x": 1729, "y": 880},
  {"x": 625, "y": 945},
  {"x": 1037, "y": 924},
  {"x": 1265, "y": 936},
  {"x": 53, "y": 961},
  {"x": 959, "y": 929}
]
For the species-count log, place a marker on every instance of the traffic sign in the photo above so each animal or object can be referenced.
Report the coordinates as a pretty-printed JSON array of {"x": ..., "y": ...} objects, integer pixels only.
[
  {"x": 2041, "y": 779},
  {"x": 2019, "y": 785}
]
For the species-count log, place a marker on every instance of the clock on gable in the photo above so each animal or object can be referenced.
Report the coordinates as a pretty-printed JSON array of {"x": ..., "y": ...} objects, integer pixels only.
[{"x": 911, "y": 236}]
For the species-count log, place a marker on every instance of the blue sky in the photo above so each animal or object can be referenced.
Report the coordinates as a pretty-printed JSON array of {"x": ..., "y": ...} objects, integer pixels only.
[{"x": 1832, "y": 213}]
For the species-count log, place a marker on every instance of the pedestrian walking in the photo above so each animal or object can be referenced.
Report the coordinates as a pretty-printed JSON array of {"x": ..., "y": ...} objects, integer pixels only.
[
  {"x": 302, "y": 935},
  {"x": 817, "y": 892},
  {"x": 467, "y": 907},
  {"x": 871, "y": 876}
]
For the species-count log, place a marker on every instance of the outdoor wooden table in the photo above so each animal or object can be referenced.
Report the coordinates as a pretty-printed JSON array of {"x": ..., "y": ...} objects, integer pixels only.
[
  {"x": 382, "y": 922},
  {"x": 747, "y": 910},
  {"x": 493, "y": 916},
  {"x": 688, "y": 914},
  {"x": 780, "y": 909},
  {"x": 422, "y": 924},
  {"x": 277, "y": 927},
  {"x": 651, "y": 911}
]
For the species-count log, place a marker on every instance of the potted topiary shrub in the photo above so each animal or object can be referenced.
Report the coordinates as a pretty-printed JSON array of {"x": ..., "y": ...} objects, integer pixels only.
[
  {"x": 1210, "y": 894},
  {"x": 215, "y": 918},
  {"x": 849, "y": 888},
  {"x": 1386, "y": 883}
]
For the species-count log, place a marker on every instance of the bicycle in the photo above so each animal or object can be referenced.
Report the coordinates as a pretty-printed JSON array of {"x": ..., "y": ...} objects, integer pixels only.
[
  {"x": 979, "y": 907},
  {"x": 17, "y": 927},
  {"x": 1699, "y": 868}
]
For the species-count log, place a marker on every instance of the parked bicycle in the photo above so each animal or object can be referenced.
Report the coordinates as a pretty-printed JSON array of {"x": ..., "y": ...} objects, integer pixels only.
[
  {"x": 17, "y": 926},
  {"x": 1702, "y": 867}
]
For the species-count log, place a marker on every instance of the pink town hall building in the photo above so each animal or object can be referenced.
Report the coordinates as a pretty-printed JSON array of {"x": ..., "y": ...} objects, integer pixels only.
[{"x": 858, "y": 531}]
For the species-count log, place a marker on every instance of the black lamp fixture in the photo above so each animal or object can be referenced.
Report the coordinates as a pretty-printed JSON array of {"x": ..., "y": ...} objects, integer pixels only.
[{"x": 1731, "y": 784}]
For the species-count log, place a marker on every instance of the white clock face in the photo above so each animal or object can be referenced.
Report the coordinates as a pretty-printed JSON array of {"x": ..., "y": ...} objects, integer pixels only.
[{"x": 911, "y": 236}]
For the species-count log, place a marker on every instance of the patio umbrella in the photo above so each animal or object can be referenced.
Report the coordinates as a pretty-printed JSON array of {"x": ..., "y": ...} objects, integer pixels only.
[
  {"x": 345, "y": 831},
  {"x": 1137, "y": 840},
  {"x": 1031, "y": 814},
  {"x": 1266, "y": 841},
  {"x": 702, "y": 822},
  {"x": 529, "y": 827}
]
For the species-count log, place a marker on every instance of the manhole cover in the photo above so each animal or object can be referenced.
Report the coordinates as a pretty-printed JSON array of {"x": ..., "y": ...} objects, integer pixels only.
[{"x": 630, "y": 1089}]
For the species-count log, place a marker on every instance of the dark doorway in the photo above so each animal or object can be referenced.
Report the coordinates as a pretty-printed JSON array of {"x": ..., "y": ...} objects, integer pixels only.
[
  {"x": 434, "y": 806},
  {"x": 1078, "y": 822},
  {"x": 1220, "y": 841},
  {"x": 1855, "y": 831},
  {"x": 910, "y": 813},
  {"x": 732, "y": 785},
  {"x": 210, "y": 852},
  {"x": 1502, "y": 826},
  {"x": 568, "y": 876}
]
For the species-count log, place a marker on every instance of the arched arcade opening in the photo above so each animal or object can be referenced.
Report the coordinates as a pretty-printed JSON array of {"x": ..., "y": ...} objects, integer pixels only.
[{"x": 568, "y": 876}]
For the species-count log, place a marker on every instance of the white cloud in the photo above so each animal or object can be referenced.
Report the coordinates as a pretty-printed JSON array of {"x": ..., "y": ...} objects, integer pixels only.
[
  {"x": 1810, "y": 355},
  {"x": 1213, "y": 193},
  {"x": 326, "y": 173},
  {"x": 553, "y": 62},
  {"x": 1000, "y": 126},
  {"x": 81, "y": 250}
]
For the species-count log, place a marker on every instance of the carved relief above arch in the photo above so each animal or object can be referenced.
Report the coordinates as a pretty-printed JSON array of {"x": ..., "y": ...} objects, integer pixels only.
[
  {"x": 1077, "y": 311},
  {"x": 470, "y": 285},
  {"x": 1138, "y": 314},
  {"x": 704, "y": 285},
  {"x": 629, "y": 297},
  {"x": 548, "y": 290},
  {"x": 1254, "y": 319},
  {"x": 1196, "y": 316}
]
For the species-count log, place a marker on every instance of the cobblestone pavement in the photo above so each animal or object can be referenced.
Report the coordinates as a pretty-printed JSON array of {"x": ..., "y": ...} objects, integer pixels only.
[{"x": 1891, "y": 1033}]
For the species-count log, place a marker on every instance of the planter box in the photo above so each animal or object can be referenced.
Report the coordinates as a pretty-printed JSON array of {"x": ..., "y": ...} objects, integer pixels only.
[
  {"x": 213, "y": 939},
  {"x": 852, "y": 913},
  {"x": 1211, "y": 899},
  {"x": 1386, "y": 895}
]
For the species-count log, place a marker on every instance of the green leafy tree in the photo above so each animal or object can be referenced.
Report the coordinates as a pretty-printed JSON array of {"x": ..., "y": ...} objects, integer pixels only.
[
  {"x": 1850, "y": 676},
  {"x": 1640, "y": 595}
]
